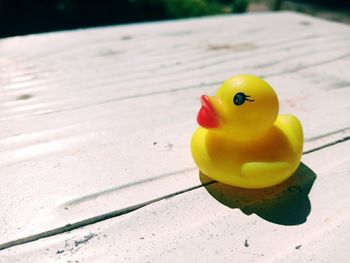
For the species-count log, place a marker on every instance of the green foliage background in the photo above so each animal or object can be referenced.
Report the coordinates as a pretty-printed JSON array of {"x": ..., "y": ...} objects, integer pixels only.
[
  {"x": 18, "y": 17},
  {"x": 31, "y": 16}
]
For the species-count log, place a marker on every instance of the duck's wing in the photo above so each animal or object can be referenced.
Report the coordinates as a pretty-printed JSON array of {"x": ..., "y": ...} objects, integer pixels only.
[
  {"x": 262, "y": 174},
  {"x": 291, "y": 127}
]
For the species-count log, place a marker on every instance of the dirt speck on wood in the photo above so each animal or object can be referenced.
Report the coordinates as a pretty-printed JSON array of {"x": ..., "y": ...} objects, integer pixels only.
[
  {"x": 24, "y": 97},
  {"x": 246, "y": 243}
]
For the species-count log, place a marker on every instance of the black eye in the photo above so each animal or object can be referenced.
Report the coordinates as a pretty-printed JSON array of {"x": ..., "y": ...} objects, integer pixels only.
[{"x": 240, "y": 98}]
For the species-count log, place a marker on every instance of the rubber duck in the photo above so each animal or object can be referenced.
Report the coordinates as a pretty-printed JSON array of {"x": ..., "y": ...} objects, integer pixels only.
[{"x": 242, "y": 140}]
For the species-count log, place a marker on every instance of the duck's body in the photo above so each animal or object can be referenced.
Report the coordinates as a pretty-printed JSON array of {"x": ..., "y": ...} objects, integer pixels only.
[
  {"x": 256, "y": 161},
  {"x": 261, "y": 163}
]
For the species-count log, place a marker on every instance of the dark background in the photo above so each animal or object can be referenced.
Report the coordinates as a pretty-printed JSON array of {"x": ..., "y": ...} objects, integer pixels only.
[{"x": 19, "y": 17}]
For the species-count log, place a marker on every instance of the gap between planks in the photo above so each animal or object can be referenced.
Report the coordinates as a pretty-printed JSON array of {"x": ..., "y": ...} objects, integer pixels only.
[{"x": 120, "y": 212}]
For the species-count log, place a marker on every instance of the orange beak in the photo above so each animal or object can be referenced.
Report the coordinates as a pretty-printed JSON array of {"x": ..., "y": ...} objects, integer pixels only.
[{"x": 207, "y": 117}]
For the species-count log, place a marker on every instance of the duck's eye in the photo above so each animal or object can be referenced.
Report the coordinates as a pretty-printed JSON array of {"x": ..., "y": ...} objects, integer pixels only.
[{"x": 240, "y": 98}]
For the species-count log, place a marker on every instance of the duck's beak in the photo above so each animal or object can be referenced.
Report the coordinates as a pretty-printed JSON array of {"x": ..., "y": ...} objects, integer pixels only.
[{"x": 207, "y": 116}]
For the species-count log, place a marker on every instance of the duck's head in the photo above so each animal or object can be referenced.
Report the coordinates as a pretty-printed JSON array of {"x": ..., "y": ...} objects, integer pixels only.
[{"x": 244, "y": 108}]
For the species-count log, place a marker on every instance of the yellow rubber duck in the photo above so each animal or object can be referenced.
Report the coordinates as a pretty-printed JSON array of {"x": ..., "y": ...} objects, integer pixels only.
[{"x": 242, "y": 140}]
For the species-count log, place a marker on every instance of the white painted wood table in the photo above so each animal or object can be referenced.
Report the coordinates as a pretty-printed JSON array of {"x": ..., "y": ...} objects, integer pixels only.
[{"x": 95, "y": 128}]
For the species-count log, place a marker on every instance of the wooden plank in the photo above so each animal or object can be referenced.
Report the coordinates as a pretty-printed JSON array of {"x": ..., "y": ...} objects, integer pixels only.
[
  {"x": 301, "y": 220},
  {"x": 65, "y": 79},
  {"x": 87, "y": 129}
]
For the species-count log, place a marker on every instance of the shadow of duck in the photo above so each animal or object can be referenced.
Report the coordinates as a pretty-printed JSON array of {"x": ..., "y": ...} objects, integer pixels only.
[{"x": 285, "y": 204}]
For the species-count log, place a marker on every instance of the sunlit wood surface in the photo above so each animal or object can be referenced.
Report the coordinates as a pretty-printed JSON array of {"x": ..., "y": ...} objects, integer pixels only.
[{"x": 95, "y": 128}]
